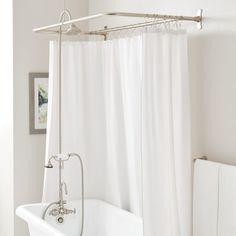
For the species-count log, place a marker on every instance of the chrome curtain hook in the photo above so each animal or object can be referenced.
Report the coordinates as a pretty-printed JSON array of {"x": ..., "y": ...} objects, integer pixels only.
[
  {"x": 169, "y": 25},
  {"x": 159, "y": 24},
  {"x": 176, "y": 25},
  {"x": 146, "y": 21},
  {"x": 172, "y": 25},
  {"x": 152, "y": 27},
  {"x": 156, "y": 22},
  {"x": 165, "y": 25},
  {"x": 179, "y": 25}
]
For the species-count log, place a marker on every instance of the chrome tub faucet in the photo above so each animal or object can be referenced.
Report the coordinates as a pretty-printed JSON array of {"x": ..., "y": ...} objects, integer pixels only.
[{"x": 59, "y": 211}]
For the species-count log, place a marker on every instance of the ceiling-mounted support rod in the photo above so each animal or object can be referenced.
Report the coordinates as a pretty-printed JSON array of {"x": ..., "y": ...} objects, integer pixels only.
[{"x": 197, "y": 18}]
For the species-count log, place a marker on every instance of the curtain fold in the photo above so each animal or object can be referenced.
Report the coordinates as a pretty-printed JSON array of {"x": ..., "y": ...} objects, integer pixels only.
[
  {"x": 125, "y": 110},
  {"x": 166, "y": 155}
]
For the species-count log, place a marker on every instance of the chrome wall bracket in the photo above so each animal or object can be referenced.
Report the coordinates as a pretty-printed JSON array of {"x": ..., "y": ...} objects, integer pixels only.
[{"x": 199, "y": 15}]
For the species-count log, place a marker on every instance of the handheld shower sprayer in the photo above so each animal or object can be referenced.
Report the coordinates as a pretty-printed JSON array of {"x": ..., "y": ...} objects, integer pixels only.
[{"x": 49, "y": 164}]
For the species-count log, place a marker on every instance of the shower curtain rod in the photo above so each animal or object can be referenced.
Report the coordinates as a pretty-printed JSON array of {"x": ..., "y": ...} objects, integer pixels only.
[{"x": 163, "y": 18}]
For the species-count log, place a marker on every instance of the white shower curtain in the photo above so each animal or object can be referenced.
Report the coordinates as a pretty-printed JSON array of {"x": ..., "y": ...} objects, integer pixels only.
[{"x": 125, "y": 110}]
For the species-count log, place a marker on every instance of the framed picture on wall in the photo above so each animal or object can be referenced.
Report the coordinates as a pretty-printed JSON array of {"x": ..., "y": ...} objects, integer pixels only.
[{"x": 38, "y": 102}]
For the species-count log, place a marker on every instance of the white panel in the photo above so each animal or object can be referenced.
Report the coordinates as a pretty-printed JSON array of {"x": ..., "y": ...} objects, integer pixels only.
[
  {"x": 205, "y": 203},
  {"x": 227, "y": 201}
]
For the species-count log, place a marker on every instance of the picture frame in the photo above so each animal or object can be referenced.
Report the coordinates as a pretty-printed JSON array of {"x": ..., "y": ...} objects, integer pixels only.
[{"x": 38, "y": 102}]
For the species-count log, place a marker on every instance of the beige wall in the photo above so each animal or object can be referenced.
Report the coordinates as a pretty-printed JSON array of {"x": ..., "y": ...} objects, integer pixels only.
[
  {"x": 212, "y": 63},
  {"x": 31, "y": 55},
  {"x": 6, "y": 120}
]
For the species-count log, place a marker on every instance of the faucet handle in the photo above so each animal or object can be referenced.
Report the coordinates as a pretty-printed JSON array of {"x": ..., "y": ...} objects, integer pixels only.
[
  {"x": 54, "y": 212},
  {"x": 67, "y": 211}
]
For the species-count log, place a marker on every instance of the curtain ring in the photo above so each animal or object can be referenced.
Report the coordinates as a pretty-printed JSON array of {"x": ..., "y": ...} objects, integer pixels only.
[
  {"x": 156, "y": 23},
  {"x": 168, "y": 25},
  {"x": 165, "y": 25},
  {"x": 180, "y": 25},
  {"x": 176, "y": 24},
  {"x": 146, "y": 21}
]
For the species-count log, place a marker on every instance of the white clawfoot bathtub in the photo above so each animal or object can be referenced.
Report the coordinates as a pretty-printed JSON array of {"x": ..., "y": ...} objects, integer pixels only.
[{"x": 101, "y": 219}]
